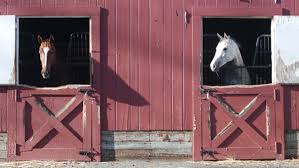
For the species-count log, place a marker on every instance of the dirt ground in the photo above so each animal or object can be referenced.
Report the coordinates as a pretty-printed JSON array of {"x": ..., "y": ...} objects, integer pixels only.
[{"x": 294, "y": 163}]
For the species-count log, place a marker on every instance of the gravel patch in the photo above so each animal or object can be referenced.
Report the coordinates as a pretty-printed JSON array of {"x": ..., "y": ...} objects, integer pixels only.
[{"x": 294, "y": 163}]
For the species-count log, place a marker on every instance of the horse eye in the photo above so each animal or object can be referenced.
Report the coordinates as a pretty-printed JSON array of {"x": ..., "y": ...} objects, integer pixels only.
[{"x": 224, "y": 49}]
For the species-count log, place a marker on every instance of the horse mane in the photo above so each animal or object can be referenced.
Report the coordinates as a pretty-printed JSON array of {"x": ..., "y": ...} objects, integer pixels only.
[{"x": 234, "y": 40}]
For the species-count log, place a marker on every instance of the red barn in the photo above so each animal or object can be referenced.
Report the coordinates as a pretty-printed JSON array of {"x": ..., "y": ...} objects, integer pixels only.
[{"x": 133, "y": 79}]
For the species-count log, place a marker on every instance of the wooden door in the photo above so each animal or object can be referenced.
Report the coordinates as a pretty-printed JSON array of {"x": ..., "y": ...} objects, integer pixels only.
[
  {"x": 57, "y": 124},
  {"x": 241, "y": 123}
]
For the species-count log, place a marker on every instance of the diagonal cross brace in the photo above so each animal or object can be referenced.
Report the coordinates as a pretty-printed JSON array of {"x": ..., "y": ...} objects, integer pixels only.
[
  {"x": 238, "y": 121},
  {"x": 53, "y": 121}
]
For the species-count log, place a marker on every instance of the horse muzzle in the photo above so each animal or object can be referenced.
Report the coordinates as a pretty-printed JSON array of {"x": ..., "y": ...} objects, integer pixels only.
[
  {"x": 45, "y": 74},
  {"x": 214, "y": 68}
]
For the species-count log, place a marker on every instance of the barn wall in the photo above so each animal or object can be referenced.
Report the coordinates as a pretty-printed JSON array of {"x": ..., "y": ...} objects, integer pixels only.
[
  {"x": 146, "y": 60},
  {"x": 3, "y": 109},
  {"x": 291, "y": 107},
  {"x": 2, "y": 7},
  {"x": 288, "y": 5},
  {"x": 148, "y": 52},
  {"x": 148, "y": 79},
  {"x": 291, "y": 112}
]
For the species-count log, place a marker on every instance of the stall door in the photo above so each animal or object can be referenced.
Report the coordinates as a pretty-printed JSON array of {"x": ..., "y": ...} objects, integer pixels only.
[
  {"x": 57, "y": 124},
  {"x": 241, "y": 123}
]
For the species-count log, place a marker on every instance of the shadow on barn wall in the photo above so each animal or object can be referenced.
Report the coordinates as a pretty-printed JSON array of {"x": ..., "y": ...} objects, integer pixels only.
[{"x": 109, "y": 84}]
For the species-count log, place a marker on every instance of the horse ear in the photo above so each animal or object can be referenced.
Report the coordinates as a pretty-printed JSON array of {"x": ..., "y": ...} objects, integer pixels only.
[
  {"x": 39, "y": 39},
  {"x": 219, "y": 36},
  {"x": 226, "y": 36},
  {"x": 51, "y": 38}
]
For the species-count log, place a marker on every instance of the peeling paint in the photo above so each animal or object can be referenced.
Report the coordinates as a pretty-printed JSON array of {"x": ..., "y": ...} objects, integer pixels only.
[
  {"x": 248, "y": 106},
  {"x": 12, "y": 77},
  {"x": 69, "y": 86},
  {"x": 141, "y": 143},
  {"x": 99, "y": 114},
  {"x": 166, "y": 138},
  {"x": 209, "y": 118},
  {"x": 194, "y": 122},
  {"x": 84, "y": 112},
  {"x": 239, "y": 86},
  {"x": 223, "y": 131},
  {"x": 226, "y": 106},
  {"x": 267, "y": 120},
  {"x": 44, "y": 108},
  {"x": 84, "y": 116},
  {"x": 67, "y": 105}
]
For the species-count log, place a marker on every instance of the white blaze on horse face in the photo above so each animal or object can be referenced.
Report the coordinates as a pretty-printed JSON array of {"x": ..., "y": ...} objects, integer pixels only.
[{"x": 46, "y": 50}]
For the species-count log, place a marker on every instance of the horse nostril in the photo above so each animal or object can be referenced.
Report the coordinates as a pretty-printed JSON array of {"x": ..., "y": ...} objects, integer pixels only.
[
  {"x": 45, "y": 74},
  {"x": 214, "y": 66}
]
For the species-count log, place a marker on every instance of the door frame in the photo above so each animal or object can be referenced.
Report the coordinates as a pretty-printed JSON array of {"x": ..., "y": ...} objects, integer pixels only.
[
  {"x": 197, "y": 15},
  {"x": 12, "y": 91}
]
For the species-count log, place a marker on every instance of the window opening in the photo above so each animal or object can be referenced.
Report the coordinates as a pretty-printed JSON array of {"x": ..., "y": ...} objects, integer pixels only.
[
  {"x": 254, "y": 41},
  {"x": 71, "y": 40}
]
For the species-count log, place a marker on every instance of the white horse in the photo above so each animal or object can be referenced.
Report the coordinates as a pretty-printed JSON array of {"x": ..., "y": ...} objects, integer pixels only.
[{"x": 228, "y": 54}]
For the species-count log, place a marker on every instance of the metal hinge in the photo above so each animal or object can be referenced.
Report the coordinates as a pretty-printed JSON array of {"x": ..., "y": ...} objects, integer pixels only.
[
  {"x": 205, "y": 91},
  {"x": 278, "y": 148},
  {"x": 276, "y": 95},
  {"x": 207, "y": 152},
  {"x": 88, "y": 153},
  {"x": 87, "y": 91}
]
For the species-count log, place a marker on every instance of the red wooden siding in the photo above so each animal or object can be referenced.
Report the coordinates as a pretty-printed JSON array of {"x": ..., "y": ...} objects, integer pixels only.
[
  {"x": 3, "y": 109},
  {"x": 287, "y": 4},
  {"x": 148, "y": 62},
  {"x": 296, "y": 6},
  {"x": 291, "y": 95},
  {"x": 149, "y": 55},
  {"x": 150, "y": 84},
  {"x": 2, "y": 7}
]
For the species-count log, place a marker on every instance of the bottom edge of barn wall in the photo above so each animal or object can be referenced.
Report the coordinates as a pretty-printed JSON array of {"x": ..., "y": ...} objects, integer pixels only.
[{"x": 155, "y": 144}]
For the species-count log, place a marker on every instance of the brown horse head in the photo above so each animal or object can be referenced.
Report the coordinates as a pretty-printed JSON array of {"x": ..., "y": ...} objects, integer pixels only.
[{"x": 47, "y": 55}]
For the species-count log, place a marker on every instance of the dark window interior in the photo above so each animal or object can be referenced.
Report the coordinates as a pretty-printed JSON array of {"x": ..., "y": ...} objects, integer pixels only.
[
  {"x": 253, "y": 35},
  {"x": 72, "y": 50}
]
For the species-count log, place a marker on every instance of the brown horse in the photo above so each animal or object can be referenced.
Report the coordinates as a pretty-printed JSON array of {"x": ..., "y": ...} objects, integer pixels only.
[{"x": 47, "y": 55}]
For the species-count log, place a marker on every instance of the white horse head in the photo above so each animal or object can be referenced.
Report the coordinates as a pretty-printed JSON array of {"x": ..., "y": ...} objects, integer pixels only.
[{"x": 227, "y": 50}]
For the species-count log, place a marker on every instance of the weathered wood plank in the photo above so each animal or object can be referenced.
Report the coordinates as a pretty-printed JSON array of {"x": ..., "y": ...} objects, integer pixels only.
[
  {"x": 292, "y": 144},
  {"x": 146, "y": 144},
  {"x": 147, "y": 136}
]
